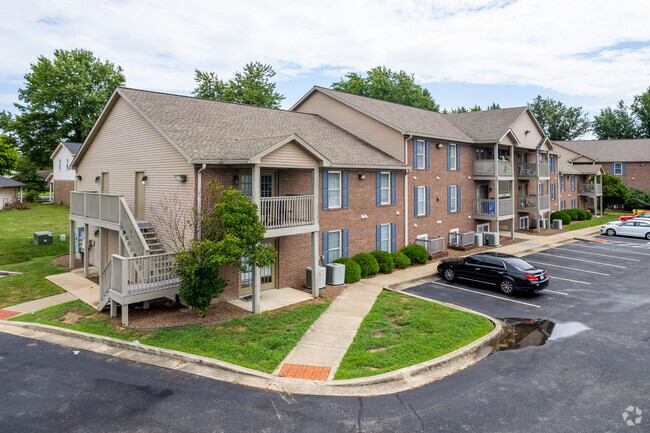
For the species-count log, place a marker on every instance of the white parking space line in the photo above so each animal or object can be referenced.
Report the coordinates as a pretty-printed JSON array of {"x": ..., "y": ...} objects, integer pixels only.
[
  {"x": 568, "y": 279},
  {"x": 566, "y": 267},
  {"x": 581, "y": 260},
  {"x": 611, "y": 248},
  {"x": 557, "y": 293},
  {"x": 604, "y": 255},
  {"x": 486, "y": 294}
]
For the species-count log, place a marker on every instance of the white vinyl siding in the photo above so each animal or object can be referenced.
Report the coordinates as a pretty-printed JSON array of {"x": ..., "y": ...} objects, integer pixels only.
[
  {"x": 334, "y": 189},
  {"x": 384, "y": 240},
  {"x": 334, "y": 245},
  {"x": 422, "y": 210},
  {"x": 385, "y": 187}
]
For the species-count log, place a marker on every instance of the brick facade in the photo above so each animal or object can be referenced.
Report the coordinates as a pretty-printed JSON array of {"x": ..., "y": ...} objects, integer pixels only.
[{"x": 637, "y": 174}]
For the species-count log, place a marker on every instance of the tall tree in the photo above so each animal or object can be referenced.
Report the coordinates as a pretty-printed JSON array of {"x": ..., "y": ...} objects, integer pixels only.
[
  {"x": 614, "y": 191},
  {"x": 493, "y": 106},
  {"x": 382, "y": 83},
  {"x": 8, "y": 155},
  {"x": 61, "y": 101},
  {"x": 641, "y": 108},
  {"x": 558, "y": 121},
  {"x": 252, "y": 86},
  {"x": 27, "y": 175},
  {"x": 615, "y": 123}
]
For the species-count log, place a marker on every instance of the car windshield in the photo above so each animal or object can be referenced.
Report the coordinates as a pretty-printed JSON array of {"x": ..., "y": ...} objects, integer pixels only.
[{"x": 521, "y": 265}]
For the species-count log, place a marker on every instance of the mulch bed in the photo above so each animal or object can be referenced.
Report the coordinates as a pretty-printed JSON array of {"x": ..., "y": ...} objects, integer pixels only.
[
  {"x": 542, "y": 232},
  {"x": 63, "y": 261},
  {"x": 504, "y": 241}
]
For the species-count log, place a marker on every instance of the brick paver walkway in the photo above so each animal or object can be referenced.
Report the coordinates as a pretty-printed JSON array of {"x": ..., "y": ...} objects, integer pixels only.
[
  {"x": 5, "y": 314},
  {"x": 304, "y": 371}
]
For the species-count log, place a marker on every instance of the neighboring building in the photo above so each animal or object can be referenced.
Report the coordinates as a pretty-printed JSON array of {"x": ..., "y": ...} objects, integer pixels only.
[
  {"x": 581, "y": 181},
  {"x": 62, "y": 179},
  {"x": 11, "y": 191}
]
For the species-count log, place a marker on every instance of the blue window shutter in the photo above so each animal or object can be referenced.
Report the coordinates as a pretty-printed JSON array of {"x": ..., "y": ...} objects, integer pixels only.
[
  {"x": 393, "y": 187},
  {"x": 378, "y": 189},
  {"x": 415, "y": 154},
  {"x": 326, "y": 239},
  {"x": 448, "y": 159},
  {"x": 458, "y": 157},
  {"x": 325, "y": 204},
  {"x": 344, "y": 182},
  {"x": 448, "y": 199},
  {"x": 458, "y": 198},
  {"x": 428, "y": 200},
  {"x": 612, "y": 168},
  {"x": 415, "y": 201},
  {"x": 426, "y": 156},
  {"x": 623, "y": 168},
  {"x": 378, "y": 236},
  {"x": 393, "y": 237},
  {"x": 344, "y": 242}
]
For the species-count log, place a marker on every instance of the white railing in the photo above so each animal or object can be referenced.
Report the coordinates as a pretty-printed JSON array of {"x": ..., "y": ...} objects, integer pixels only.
[
  {"x": 544, "y": 202},
  {"x": 132, "y": 231},
  {"x": 591, "y": 188},
  {"x": 287, "y": 211},
  {"x": 461, "y": 239},
  {"x": 529, "y": 203},
  {"x": 529, "y": 169},
  {"x": 485, "y": 167},
  {"x": 488, "y": 207},
  {"x": 137, "y": 275},
  {"x": 544, "y": 169},
  {"x": 433, "y": 245}
]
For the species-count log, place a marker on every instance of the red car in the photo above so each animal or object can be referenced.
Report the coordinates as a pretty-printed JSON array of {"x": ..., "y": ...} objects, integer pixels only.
[{"x": 644, "y": 214}]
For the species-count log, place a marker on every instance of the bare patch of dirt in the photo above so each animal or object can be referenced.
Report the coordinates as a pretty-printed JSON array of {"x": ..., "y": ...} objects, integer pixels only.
[
  {"x": 63, "y": 261},
  {"x": 373, "y": 368},
  {"x": 73, "y": 316},
  {"x": 378, "y": 349},
  {"x": 378, "y": 334},
  {"x": 329, "y": 292}
]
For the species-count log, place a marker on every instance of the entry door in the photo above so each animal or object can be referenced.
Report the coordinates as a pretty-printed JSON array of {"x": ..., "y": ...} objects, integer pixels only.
[
  {"x": 268, "y": 275},
  {"x": 138, "y": 211},
  {"x": 482, "y": 192},
  {"x": 268, "y": 184},
  {"x": 104, "y": 183}
]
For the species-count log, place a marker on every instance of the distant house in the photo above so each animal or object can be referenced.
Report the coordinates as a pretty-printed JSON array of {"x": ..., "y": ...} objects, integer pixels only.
[
  {"x": 62, "y": 179},
  {"x": 10, "y": 191}
]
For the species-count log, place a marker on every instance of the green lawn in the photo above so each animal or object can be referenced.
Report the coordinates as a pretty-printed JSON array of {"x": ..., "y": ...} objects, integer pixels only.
[
  {"x": 401, "y": 331},
  {"x": 18, "y": 253},
  {"x": 259, "y": 342},
  {"x": 610, "y": 215}
]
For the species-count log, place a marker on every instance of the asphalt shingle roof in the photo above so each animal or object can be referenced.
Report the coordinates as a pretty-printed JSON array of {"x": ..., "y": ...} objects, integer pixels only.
[
  {"x": 611, "y": 150},
  {"x": 488, "y": 125},
  {"x": 72, "y": 147},
  {"x": 214, "y": 130},
  {"x": 7, "y": 182}
]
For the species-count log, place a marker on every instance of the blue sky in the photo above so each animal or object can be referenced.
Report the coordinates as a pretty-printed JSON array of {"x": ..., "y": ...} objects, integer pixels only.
[{"x": 588, "y": 53}]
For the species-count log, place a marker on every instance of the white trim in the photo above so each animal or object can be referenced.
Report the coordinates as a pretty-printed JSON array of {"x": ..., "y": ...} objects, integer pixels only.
[
  {"x": 479, "y": 227},
  {"x": 381, "y": 188},
  {"x": 340, "y": 205},
  {"x": 454, "y": 197},
  {"x": 416, "y": 164},
  {"x": 620, "y": 166},
  {"x": 381, "y": 239},
  {"x": 525, "y": 226},
  {"x": 423, "y": 202},
  {"x": 454, "y": 166},
  {"x": 329, "y": 245}
]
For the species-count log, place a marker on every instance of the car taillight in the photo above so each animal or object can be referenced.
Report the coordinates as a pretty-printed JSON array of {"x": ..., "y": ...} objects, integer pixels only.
[
  {"x": 530, "y": 277},
  {"x": 546, "y": 274}
]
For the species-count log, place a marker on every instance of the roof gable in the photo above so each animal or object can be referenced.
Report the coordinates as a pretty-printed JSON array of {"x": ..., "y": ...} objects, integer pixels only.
[{"x": 632, "y": 150}]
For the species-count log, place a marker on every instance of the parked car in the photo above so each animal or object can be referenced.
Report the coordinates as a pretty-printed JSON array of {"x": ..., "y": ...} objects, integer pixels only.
[
  {"x": 644, "y": 214},
  {"x": 509, "y": 273},
  {"x": 637, "y": 227}
]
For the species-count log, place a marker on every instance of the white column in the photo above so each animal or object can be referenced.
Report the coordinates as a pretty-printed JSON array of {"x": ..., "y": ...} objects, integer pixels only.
[
  {"x": 257, "y": 280},
  {"x": 102, "y": 260},
  {"x": 539, "y": 219},
  {"x": 314, "y": 234},
  {"x": 496, "y": 185},
  {"x": 71, "y": 246},
  {"x": 512, "y": 192},
  {"x": 86, "y": 236}
]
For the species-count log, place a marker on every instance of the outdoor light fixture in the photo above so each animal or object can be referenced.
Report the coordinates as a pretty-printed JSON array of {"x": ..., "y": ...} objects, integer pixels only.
[
  {"x": 78, "y": 177},
  {"x": 439, "y": 145},
  {"x": 144, "y": 180},
  {"x": 235, "y": 180},
  {"x": 181, "y": 178},
  {"x": 362, "y": 176},
  {"x": 97, "y": 179}
]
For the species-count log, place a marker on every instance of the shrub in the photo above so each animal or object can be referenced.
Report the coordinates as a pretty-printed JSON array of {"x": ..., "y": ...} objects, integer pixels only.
[
  {"x": 30, "y": 196},
  {"x": 573, "y": 214},
  {"x": 561, "y": 215},
  {"x": 385, "y": 261},
  {"x": 582, "y": 214},
  {"x": 416, "y": 253},
  {"x": 368, "y": 264},
  {"x": 400, "y": 260},
  {"x": 352, "y": 270},
  {"x": 589, "y": 215}
]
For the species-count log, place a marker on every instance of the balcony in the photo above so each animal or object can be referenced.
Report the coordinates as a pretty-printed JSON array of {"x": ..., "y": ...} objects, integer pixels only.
[
  {"x": 529, "y": 203},
  {"x": 288, "y": 212},
  {"x": 529, "y": 170},
  {"x": 486, "y": 209},
  {"x": 591, "y": 189},
  {"x": 484, "y": 169}
]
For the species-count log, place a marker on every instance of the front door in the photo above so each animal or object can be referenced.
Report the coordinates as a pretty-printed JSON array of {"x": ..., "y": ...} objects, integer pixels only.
[
  {"x": 138, "y": 211},
  {"x": 104, "y": 183},
  {"x": 483, "y": 192},
  {"x": 268, "y": 275}
]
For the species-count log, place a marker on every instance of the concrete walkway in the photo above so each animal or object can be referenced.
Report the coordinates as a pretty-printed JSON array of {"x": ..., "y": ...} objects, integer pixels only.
[{"x": 78, "y": 286}]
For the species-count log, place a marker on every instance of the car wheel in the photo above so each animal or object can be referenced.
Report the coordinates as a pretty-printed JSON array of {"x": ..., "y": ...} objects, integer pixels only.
[
  {"x": 507, "y": 286},
  {"x": 647, "y": 236},
  {"x": 449, "y": 274},
  {"x": 610, "y": 232}
]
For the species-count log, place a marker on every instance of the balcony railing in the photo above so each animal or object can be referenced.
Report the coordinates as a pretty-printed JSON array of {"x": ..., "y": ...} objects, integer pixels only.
[
  {"x": 591, "y": 189},
  {"x": 485, "y": 168},
  {"x": 461, "y": 239},
  {"x": 529, "y": 203},
  {"x": 529, "y": 170},
  {"x": 288, "y": 211},
  {"x": 132, "y": 276},
  {"x": 487, "y": 208},
  {"x": 433, "y": 245}
]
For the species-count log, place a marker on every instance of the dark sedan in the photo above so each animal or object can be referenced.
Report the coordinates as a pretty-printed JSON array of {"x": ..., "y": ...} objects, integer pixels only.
[{"x": 508, "y": 272}]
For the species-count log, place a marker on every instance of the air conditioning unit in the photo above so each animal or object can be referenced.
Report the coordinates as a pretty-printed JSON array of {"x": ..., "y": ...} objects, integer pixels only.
[
  {"x": 491, "y": 238},
  {"x": 478, "y": 239},
  {"x": 321, "y": 277},
  {"x": 557, "y": 224},
  {"x": 543, "y": 223},
  {"x": 335, "y": 274},
  {"x": 43, "y": 238}
]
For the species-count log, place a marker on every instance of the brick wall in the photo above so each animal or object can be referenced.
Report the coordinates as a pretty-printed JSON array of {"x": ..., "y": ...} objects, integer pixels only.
[{"x": 637, "y": 174}]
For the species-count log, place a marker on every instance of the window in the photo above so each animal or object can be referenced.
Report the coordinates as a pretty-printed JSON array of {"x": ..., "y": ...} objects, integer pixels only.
[
  {"x": 384, "y": 187},
  {"x": 573, "y": 183},
  {"x": 492, "y": 262},
  {"x": 551, "y": 159},
  {"x": 334, "y": 245},
  {"x": 452, "y": 203},
  {"x": 59, "y": 165},
  {"x": 246, "y": 183},
  {"x": 563, "y": 205},
  {"x": 562, "y": 183},
  {"x": 452, "y": 157},
  {"x": 552, "y": 191},
  {"x": 421, "y": 199},
  {"x": 384, "y": 237},
  {"x": 540, "y": 188},
  {"x": 480, "y": 228},
  {"x": 420, "y": 162},
  {"x": 523, "y": 223},
  {"x": 333, "y": 189},
  {"x": 617, "y": 169},
  {"x": 67, "y": 164}
]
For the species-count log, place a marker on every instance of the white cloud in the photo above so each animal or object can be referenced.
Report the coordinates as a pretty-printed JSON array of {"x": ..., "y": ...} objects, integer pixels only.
[{"x": 562, "y": 45}]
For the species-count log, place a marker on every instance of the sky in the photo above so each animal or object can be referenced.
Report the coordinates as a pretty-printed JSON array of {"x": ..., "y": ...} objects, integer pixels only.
[{"x": 588, "y": 53}]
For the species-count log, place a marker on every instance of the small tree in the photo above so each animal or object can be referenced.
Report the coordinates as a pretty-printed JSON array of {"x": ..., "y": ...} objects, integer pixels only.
[
  {"x": 8, "y": 155},
  {"x": 233, "y": 236},
  {"x": 614, "y": 192},
  {"x": 639, "y": 199},
  {"x": 27, "y": 175}
]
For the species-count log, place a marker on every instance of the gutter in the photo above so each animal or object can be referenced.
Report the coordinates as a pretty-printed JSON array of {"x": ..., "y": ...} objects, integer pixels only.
[
  {"x": 406, "y": 190},
  {"x": 199, "y": 199}
]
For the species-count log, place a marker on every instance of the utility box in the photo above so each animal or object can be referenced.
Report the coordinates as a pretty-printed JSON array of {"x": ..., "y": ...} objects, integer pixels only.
[
  {"x": 491, "y": 238},
  {"x": 335, "y": 274},
  {"x": 557, "y": 224},
  {"x": 43, "y": 238},
  {"x": 478, "y": 239},
  {"x": 321, "y": 277}
]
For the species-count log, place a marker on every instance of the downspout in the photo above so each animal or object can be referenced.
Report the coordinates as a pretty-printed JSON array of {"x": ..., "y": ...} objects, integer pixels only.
[
  {"x": 406, "y": 191},
  {"x": 199, "y": 200}
]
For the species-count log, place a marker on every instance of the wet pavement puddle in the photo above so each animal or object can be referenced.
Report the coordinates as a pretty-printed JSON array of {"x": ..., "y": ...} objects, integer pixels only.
[{"x": 520, "y": 332}]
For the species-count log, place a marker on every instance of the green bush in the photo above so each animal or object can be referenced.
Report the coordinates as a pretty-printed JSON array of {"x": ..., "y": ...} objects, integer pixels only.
[
  {"x": 352, "y": 270},
  {"x": 416, "y": 253},
  {"x": 589, "y": 215},
  {"x": 385, "y": 261},
  {"x": 30, "y": 196},
  {"x": 561, "y": 215},
  {"x": 573, "y": 214},
  {"x": 368, "y": 263},
  {"x": 582, "y": 214},
  {"x": 400, "y": 260}
]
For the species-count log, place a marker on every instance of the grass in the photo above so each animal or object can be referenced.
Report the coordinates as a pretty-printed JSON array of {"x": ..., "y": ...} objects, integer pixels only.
[
  {"x": 610, "y": 215},
  {"x": 18, "y": 253},
  {"x": 401, "y": 331},
  {"x": 259, "y": 342}
]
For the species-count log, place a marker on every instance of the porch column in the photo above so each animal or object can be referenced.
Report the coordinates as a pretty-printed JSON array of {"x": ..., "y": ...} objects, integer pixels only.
[
  {"x": 51, "y": 196},
  {"x": 86, "y": 236},
  {"x": 539, "y": 219},
  {"x": 71, "y": 246},
  {"x": 102, "y": 260},
  {"x": 512, "y": 192},
  {"x": 496, "y": 185},
  {"x": 257, "y": 280},
  {"x": 314, "y": 234}
]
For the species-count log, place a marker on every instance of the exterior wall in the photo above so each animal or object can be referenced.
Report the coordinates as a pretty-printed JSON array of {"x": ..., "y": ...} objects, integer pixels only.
[
  {"x": 289, "y": 155},
  {"x": 528, "y": 140},
  {"x": 364, "y": 127},
  {"x": 62, "y": 190},
  {"x": 8, "y": 195},
  {"x": 637, "y": 174},
  {"x": 63, "y": 158}
]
